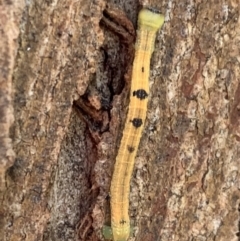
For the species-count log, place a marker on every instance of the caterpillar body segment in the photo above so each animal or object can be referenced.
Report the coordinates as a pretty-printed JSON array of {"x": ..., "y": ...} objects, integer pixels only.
[{"x": 148, "y": 24}]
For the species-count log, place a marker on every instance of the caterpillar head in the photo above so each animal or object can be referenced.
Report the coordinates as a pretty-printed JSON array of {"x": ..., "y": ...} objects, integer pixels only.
[{"x": 150, "y": 18}]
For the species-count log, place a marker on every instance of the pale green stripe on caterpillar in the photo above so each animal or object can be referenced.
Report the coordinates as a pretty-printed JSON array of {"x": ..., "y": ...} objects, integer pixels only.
[{"x": 149, "y": 22}]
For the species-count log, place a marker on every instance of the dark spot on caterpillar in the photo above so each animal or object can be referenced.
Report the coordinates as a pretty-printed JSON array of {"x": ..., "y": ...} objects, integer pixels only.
[
  {"x": 122, "y": 221},
  {"x": 140, "y": 94},
  {"x": 130, "y": 148},
  {"x": 137, "y": 122},
  {"x": 142, "y": 69}
]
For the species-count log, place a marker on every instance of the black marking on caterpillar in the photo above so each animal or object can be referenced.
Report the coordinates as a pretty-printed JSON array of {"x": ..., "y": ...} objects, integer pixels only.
[
  {"x": 140, "y": 94},
  {"x": 122, "y": 221},
  {"x": 137, "y": 122},
  {"x": 130, "y": 148}
]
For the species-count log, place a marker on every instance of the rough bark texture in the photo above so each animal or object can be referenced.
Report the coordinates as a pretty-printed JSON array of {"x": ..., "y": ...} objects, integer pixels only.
[
  {"x": 10, "y": 16},
  {"x": 186, "y": 180}
]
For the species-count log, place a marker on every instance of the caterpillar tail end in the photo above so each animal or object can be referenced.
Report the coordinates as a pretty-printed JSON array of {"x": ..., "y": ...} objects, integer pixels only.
[{"x": 108, "y": 234}]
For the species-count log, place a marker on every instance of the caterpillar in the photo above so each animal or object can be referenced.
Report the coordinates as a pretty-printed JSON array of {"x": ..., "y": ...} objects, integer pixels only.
[{"x": 149, "y": 22}]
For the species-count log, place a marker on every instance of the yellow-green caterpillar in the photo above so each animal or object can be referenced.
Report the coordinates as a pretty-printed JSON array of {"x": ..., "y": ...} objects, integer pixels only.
[{"x": 149, "y": 22}]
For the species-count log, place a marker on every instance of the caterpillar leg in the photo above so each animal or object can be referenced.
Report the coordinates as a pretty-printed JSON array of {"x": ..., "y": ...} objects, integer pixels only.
[{"x": 107, "y": 232}]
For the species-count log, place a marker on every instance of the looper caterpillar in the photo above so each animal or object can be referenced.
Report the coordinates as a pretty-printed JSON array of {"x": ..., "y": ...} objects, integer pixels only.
[{"x": 149, "y": 22}]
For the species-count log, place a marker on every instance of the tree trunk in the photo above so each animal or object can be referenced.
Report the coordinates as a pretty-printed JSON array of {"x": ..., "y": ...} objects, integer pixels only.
[{"x": 65, "y": 82}]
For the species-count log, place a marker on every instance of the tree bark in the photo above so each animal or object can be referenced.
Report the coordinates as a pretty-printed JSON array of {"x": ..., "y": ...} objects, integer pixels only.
[{"x": 63, "y": 65}]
